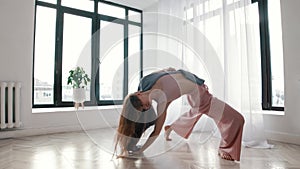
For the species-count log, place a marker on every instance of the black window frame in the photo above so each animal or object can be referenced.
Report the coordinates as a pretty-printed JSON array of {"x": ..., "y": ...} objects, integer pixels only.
[
  {"x": 265, "y": 56},
  {"x": 95, "y": 18}
]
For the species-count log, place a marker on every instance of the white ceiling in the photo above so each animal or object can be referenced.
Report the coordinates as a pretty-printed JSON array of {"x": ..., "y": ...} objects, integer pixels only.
[{"x": 139, "y": 4}]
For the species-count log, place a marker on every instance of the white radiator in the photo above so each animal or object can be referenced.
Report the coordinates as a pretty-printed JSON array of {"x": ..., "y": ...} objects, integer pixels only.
[{"x": 10, "y": 104}]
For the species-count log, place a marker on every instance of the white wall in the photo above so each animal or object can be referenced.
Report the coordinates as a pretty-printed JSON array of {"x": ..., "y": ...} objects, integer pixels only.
[
  {"x": 287, "y": 127},
  {"x": 16, "y": 39}
]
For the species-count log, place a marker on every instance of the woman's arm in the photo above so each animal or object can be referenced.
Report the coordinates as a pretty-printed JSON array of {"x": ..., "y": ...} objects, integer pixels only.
[
  {"x": 155, "y": 133},
  {"x": 158, "y": 126}
]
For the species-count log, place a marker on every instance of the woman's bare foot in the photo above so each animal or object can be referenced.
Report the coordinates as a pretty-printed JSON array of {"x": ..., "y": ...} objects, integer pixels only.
[
  {"x": 168, "y": 130},
  {"x": 225, "y": 156}
]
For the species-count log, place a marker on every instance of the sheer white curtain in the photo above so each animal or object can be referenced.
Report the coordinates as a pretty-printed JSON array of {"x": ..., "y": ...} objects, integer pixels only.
[{"x": 219, "y": 41}]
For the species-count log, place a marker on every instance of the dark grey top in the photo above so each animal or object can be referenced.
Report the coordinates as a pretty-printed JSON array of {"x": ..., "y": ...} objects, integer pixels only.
[{"x": 148, "y": 81}]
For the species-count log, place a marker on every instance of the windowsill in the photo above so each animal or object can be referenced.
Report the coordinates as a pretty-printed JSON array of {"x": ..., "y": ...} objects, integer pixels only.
[
  {"x": 72, "y": 109},
  {"x": 272, "y": 112},
  {"x": 111, "y": 107}
]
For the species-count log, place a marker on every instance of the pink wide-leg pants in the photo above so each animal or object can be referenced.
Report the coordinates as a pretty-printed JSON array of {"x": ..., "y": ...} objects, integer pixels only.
[{"x": 229, "y": 122}]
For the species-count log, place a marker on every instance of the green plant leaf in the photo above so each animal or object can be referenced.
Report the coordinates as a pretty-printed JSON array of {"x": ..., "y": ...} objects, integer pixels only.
[{"x": 78, "y": 78}]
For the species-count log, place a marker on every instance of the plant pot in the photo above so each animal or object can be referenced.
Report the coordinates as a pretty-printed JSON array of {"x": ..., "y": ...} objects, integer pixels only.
[{"x": 78, "y": 95}]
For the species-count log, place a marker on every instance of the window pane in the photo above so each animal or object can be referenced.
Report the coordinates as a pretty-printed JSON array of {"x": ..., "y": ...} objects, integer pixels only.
[
  {"x": 44, "y": 54},
  {"x": 86, "y": 5},
  {"x": 276, "y": 50},
  {"x": 134, "y": 16},
  {"x": 111, "y": 10},
  {"x": 229, "y": 1},
  {"x": 111, "y": 74},
  {"x": 215, "y": 4},
  {"x": 76, "y": 50},
  {"x": 134, "y": 57},
  {"x": 199, "y": 9},
  {"x": 189, "y": 13},
  {"x": 213, "y": 31}
]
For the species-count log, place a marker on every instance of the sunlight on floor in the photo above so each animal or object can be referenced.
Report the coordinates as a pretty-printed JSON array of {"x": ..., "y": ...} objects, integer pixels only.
[{"x": 94, "y": 148}]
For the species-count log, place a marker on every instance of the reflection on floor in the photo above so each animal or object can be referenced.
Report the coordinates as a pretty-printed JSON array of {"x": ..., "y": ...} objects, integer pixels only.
[{"x": 93, "y": 149}]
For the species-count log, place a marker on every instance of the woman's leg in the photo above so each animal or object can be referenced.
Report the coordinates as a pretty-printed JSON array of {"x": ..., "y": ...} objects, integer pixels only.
[
  {"x": 229, "y": 122},
  {"x": 184, "y": 125},
  {"x": 231, "y": 128}
]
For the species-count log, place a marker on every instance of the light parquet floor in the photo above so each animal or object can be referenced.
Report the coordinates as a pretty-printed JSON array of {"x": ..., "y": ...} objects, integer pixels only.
[{"x": 93, "y": 150}]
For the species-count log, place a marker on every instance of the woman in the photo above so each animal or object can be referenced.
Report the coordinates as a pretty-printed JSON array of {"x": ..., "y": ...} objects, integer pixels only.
[{"x": 163, "y": 87}]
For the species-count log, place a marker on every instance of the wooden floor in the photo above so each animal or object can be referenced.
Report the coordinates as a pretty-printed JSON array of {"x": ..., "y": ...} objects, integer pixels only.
[{"x": 93, "y": 149}]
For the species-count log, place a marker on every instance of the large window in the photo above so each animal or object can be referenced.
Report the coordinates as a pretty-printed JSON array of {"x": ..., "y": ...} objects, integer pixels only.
[
  {"x": 272, "y": 54},
  {"x": 99, "y": 36},
  {"x": 270, "y": 41}
]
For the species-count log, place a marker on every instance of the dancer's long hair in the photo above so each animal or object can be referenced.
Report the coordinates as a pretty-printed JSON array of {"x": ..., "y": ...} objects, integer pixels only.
[{"x": 132, "y": 123}]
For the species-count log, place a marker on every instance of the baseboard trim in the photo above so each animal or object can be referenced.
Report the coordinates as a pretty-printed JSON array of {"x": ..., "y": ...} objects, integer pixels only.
[
  {"x": 283, "y": 137},
  {"x": 25, "y": 132}
]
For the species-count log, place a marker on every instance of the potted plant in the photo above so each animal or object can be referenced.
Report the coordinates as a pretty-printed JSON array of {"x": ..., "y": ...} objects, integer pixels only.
[{"x": 79, "y": 80}]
